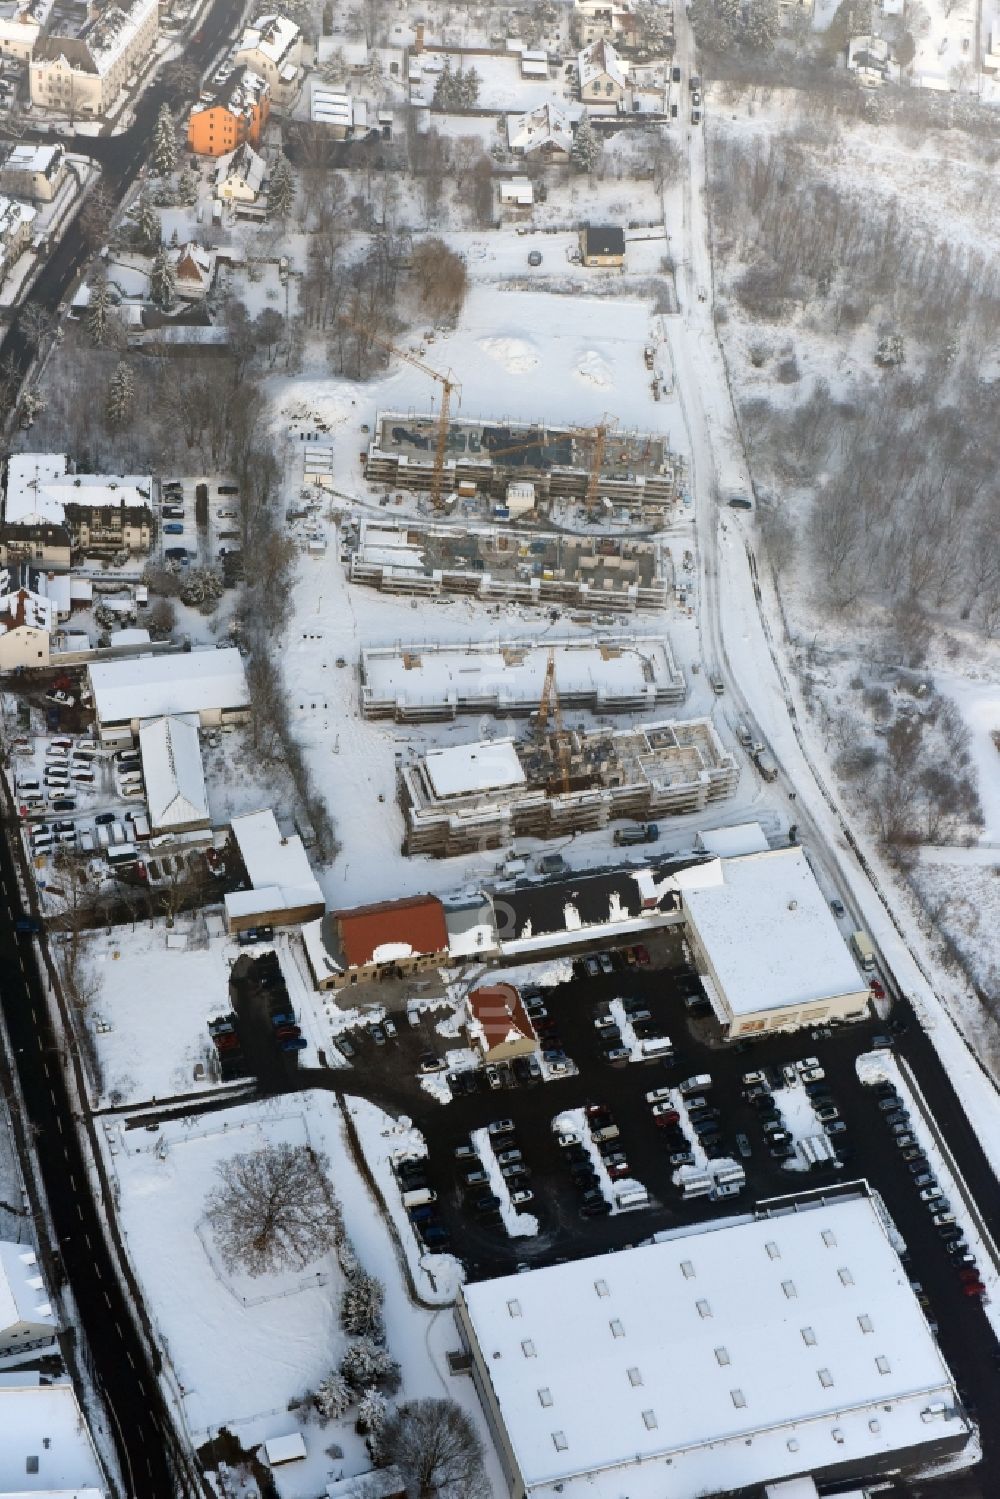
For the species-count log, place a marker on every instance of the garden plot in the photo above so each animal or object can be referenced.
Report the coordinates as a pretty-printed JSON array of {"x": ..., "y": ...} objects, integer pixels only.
[{"x": 518, "y": 1225}]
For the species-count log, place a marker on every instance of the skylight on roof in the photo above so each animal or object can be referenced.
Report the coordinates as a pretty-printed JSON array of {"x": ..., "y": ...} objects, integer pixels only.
[
  {"x": 738, "y": 1399},
  {"x": 601, "y": 1287},
  {"x": 865, "y": 1323},
  {"x": 617, "y": 1330},
  {"x": 773, "y": 1251},
  {"x": 635, "y": 1376},
  {"x": 514, "y": 1307},
  {"x": 883, "y": 1365},
  {"x": 722, "y": 1356},
  {"x": 687, "y": 1269},
  {"x": 649, "y": 1418},
  {"x": 808, "y": 1337},
  {"x": 559, "y": 1438},
  {"x": 528, "y": 1348},
  {"x": 829, "y": 1238},
  {"x": 545, "y": 1397},
  {"x": 825, "y": 1378},
  {"x": 846, "y": 1278},
  {"x": 704, "y": 1310},
  {"x": 788, "y": 1286}
]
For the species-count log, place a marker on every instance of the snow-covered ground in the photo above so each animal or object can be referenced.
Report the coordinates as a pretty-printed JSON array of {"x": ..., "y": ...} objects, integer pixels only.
[{"x": 240, "y": 1348}]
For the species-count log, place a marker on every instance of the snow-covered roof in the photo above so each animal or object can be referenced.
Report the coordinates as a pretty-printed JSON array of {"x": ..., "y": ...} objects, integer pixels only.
[
  {"x": 599, "y": 60},
  {"x": 544, "y": 126},
  {"x": 285, "y": 1449},
  {"x": 36, "y": 159},
  {"x": 41, "y": 485},
  {"x": 484, "y": 766},
  {"x": 24, "y": 609},
  {"x": 23, "y": 1297},
  {"x": 272, "y": 36},
  {"x": 742, "y": 1352},
  {"x": 727, "y": 843},
  {"x": 329, "y": 106},
  {"x": 45, "y": 1448},
  {"x": 173, "y": 772},
  {"x": 278, "y": 868},
  {"x": 244, "y": 166},
  {"x": 767, "y": 931},
  {"x": 154, "y": 686}
]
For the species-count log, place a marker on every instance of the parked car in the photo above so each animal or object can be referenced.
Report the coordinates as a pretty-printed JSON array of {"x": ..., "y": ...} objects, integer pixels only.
[
  {"x": 681, "y": 1158},
  {"x": 743, "y": 1146},
  {"x": 836, "y": 1127},
  {"x": 500, "y": 1127},
  {"x": 521, "y": 1196},
  {"x": 665, "y": 1114},
  {"x": 431, "y": 1063}
]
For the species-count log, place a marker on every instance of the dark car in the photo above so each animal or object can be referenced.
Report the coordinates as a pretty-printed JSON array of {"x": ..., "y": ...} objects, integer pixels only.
[
  {"x": 595, "y": 1209},
  {"x": 103, "y": 818}
]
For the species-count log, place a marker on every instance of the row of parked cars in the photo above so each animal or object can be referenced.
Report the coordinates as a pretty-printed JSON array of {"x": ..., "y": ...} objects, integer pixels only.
[
  {"x": 579, "y": 1158},
  {"x": 758, "y": 1091},
  {"x": 896, "y": 1117},
  {"x": 419, "y": 1200}
]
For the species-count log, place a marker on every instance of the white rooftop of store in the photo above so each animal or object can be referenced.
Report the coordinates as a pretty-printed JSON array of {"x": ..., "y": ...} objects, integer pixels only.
[
  {"x": 767, "y": 930},
  {"x": 742, "y": 1352},
  {"x": 45, "y": 1449},
  {"x": 41, "y": 485},
  {"x": 154, "y": 686}
]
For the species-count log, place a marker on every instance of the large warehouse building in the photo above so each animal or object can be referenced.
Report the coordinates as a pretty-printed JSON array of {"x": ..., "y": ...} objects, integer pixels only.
[
  {"x": 786, "y": 1344},
  {"x": 768, "y": 950},
  {"x": 127, "y": 692}
]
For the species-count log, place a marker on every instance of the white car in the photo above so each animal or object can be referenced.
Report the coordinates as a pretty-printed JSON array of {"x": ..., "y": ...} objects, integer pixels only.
[
  {"x": 813, "y": 1075},
  {"x": 520, "y": 1198},
  {"x": 658, "y": 1095},
  {"x": 565, "y": 1140}
]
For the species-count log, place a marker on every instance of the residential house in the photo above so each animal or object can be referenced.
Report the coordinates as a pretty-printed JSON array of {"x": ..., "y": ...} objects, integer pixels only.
[
  {"x": 602, "y": 245},
  {"x": 603, "y": 79},
  {"x": 543, "y": 134},
  {"x": 26, "y": 624},
  {"x": 19, "y": 29},
  {"x": 100, "y": 512},
  {"x": 45, "y": 546},
  {"x": 596, "y": 19},
  {"x": 35, "y": 172},
  {"x": 16, "y": 220},
  {"x": 387, "y": 940},
  {"x": 194, "y": 271},
  {"x": 283, "y": 889},
  {"x": 498, "y": 1023},
  {"x": 516, "y": 196},
  {"x": 27, "y": 1320},
  {"x": 272, "y": 47},
  {"x": 239, "y": 177},
  {"x": 236, "y": 114},
  {"x": 84, "y": 55}
]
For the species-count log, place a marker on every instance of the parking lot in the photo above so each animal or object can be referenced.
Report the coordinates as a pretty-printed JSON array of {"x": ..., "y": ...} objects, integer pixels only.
[
  {"x": 756, "y": 1092},
  {"x": 199, "y": 519}
]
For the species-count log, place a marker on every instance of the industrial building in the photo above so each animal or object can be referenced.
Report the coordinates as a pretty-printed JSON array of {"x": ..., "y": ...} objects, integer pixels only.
[
  {"x": 426, "y": 682},
  {"x": 610, "y": 574},
  {"x": 786, "y": 1344},
  {"x": 769, "y": 953},
  {"x": 612, "y": 470},
  {"x": 174, "y": 775},
  {"x": 210, "y": 684},
  {"x": 282, "y": 887},
  {"x": 481, "y": 795}
]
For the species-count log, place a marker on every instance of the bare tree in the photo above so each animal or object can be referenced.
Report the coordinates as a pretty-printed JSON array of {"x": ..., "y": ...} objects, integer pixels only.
[
  {"x": 441, "y": 277},
  {"x": 273, "y": 1208},
  {"x": 437, "y": 1450}
]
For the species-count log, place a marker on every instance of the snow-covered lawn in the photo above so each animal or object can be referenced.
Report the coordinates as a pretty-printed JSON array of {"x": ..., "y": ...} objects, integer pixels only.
[{"x": 241, "y": 1349}]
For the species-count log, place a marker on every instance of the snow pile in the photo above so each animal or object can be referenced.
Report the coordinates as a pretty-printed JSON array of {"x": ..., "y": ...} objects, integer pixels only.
[
  {"x": 594, "y": 368},
  {"x": 545, "y": 975},
  {"x": 515, "y": 355}
]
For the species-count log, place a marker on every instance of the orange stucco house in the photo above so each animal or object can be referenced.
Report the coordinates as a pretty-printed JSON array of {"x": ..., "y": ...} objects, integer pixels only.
[{"x": 235, "y": 114}]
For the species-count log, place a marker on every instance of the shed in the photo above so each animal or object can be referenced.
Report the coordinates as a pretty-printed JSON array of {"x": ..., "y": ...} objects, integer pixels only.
[
  {"x": 602, "y": 245},
  {"x": 289, "y": 1449}
]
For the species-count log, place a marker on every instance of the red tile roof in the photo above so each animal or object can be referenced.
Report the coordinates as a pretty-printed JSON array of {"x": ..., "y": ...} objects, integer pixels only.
[
  {"x": 416, "y": 923},
  {"x": 499, "y": 1010}
]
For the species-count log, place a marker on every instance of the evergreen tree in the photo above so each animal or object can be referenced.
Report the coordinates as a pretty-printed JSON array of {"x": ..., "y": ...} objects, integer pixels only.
[
  {"x": 148, "y": 223},
  {"x": 373, "y": 1412},
  {"x": 281, "y": 190},
  {"x": 187, "y": 188},
  {"x": 333, "y": 1397},
  {"x": 164, "y": 143},
  {"x": 586, "y": 150},
  {"x": 361, "y": 1306},
  {"x": 163, "y": 280},
  {"x": 121, "y": 396},
  {"x": 99, "y": 311},
  {"x": 366, "y": 1365}
]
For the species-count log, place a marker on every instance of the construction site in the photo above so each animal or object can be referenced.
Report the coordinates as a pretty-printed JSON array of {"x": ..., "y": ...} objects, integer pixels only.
[
  {"x": 608, "y": 574},
  {"x": 606, "y": 469},
  {"x": 558, "y": 782},
  {"x": 424, "y": 683}
]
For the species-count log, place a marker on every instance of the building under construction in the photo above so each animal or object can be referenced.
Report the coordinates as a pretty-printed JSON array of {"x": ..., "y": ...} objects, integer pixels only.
[
  {"x": 433, "y": 683},
  {"x": 606, "y": 468},
  {"x": 483, "y": 795},
  {"x": 609, "y": 574}
]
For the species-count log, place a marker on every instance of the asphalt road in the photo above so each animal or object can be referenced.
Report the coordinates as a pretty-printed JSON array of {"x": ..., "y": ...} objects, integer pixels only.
[{"x": 140, "y": 1422}]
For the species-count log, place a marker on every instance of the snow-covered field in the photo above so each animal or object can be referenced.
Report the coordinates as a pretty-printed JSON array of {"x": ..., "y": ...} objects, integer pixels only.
[{"x": 240, "y": 1348}]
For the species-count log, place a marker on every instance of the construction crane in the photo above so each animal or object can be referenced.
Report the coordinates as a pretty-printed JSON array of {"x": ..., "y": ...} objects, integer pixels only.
[
  {"x": 556, "y": 739},
  {"x": 598, "y": 434},
  {"x": 449, "y": 387}
]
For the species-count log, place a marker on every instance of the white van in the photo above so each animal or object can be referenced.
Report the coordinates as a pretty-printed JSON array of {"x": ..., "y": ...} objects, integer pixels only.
[
  {"x": 698, "y": 1184},
  {"x": 631, "y": 1197},
  {"x": 659, "y": 1046},
  {"x": 419, "y": 1199},
  {"x": 695, "y": 1084}
]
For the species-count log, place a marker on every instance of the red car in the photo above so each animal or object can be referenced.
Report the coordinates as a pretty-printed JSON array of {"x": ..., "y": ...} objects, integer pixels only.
[
  {"x": 617, "y": 1172},
  {"x": 973, "y": 1288},
  {"x": 877, "y": 989},
  {"x": 641, "y": 955},
  {"x": 969, "y": 1273},
  {"x": 286, "y": 1032},
  {"x": 227, "y": 1041},
  {"x": 667, "y": 1118}
]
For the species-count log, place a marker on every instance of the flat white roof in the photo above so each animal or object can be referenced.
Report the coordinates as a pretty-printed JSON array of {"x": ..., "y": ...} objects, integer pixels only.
[
  {"x": 154, "y": 686},
  {"x": 285, "y": 1449},
  {"x": 485, "y": 766},
  {"x": 173, "y": 772},
  {"x": 45, "y": 1447},
  {"x": 23, "y": 1297},
  {"x": 767, "y": 931},
  {"x": 278, "y": 868},
  {"x": 28, "y": 158},
  {"x": 727, "y": 843},
  {"x": 743, "y": 1352}
]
